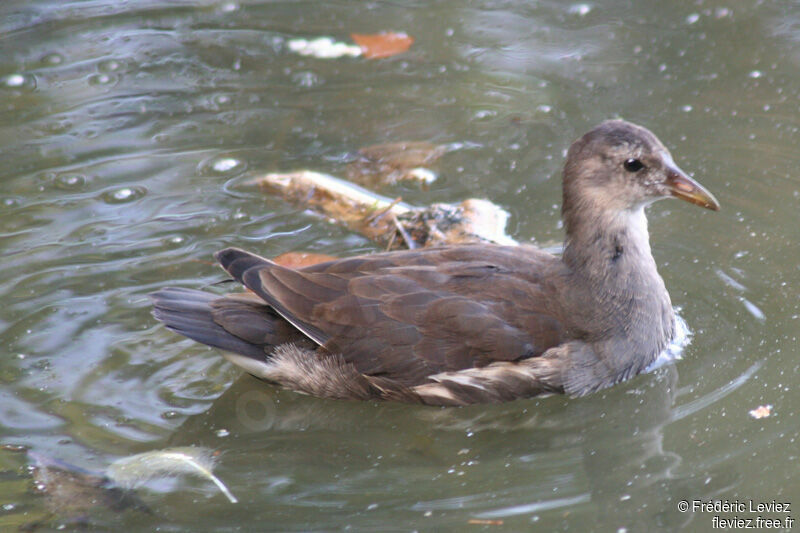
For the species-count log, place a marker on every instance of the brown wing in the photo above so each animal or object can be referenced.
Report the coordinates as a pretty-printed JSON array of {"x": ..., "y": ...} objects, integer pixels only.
[{"x": 408, "y": 315}]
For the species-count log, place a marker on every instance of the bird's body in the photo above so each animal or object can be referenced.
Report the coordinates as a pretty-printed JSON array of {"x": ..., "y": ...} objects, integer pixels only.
[{"x": 470, "y": 323}]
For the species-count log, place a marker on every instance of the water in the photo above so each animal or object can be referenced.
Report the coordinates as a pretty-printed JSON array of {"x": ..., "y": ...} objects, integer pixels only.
[{"x": 128, "y": 131}]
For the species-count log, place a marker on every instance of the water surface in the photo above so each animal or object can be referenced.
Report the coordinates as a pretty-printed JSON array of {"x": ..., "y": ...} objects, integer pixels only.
[{"x": 128, "y": 131}]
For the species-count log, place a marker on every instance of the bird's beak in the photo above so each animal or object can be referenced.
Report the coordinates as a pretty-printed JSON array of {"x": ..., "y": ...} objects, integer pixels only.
[{"x": 682, "y": 186}]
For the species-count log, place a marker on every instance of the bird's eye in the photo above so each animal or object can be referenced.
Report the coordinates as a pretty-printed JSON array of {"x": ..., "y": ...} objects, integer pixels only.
[{"x": 633, "y": 165}]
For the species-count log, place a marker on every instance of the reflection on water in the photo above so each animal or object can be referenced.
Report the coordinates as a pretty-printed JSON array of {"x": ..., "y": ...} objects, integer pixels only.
[
  {"x": 494, "y": 461},
  {"x": 128, "y": 133}
]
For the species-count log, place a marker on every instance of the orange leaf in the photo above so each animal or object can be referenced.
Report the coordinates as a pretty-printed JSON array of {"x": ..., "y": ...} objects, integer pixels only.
[
  {"x": 301, "y": 259},
  {"x": 384, "y": 44}
]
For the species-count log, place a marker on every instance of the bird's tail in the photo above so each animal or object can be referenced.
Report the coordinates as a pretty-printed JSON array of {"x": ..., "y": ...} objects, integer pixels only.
[{"x": 200, "y": 316}]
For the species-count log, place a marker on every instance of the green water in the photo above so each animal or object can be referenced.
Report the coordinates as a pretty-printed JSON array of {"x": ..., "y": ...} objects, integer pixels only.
[{"x": 117, "y": 120}]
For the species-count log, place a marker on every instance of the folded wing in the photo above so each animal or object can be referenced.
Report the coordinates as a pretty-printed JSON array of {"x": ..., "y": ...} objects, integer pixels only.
[{"x": 407, "y": 316}]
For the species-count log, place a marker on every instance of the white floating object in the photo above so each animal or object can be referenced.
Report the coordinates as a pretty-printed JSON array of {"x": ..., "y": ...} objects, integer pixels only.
[
  {"x": 323, "y": 48},
  {"x": 762, "y": 411},
  {"x": 135, "y": 470},
  {"x": 335, "y": 187},
  {"x": 423, "y": 174},
  {"x": 487, "y": 221},
  {"x": 18, "y": 80},
  {"x": 580, "y": 9}
]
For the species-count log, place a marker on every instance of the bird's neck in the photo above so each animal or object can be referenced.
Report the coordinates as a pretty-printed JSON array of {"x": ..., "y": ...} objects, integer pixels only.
[
  {"x": 609, "y": 259},
  {"x": 607, "y": 247}
]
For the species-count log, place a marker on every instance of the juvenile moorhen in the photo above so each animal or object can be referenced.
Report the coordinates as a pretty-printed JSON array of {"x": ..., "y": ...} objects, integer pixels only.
[{"x": 470, "y": 323}]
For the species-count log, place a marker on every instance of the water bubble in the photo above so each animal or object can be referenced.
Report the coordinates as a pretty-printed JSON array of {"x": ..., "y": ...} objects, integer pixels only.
[
  {"x": 221, "y": 164},
  {"x": 101, "y": 78},
  {"x": 52, "y": 59},
  {"x": 580, "y": 9},
  {"x": 124, "y": 195},
  {"x": 109, "y": 65},
  {"x": 225, "y": 164},
  {"x": 14, "y": 80},
  {"x": 69, "y": 181},
  {"x": 18, "y": 81},
  {"x": 755, "y": 74},
  {"x": 10, "y": 202},
  {"x": 222, "y": 99},
  {"x": 485, "y": 113},
  {"x": 694, "y": 17}
]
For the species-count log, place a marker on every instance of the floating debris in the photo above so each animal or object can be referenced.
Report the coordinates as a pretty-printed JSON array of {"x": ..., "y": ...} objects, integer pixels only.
[
  {"x": 424, "y": 175},
  {"x": 71, "y": 492},
  {"x": 482, "y": 522},
  {"x": 371, "y": 46},
  {"x": 386, "y": 164},
  {"x": 323, "y": 48},
  {"x": 384, "y": 44},
  {"x": 131, "y": 472},
  {"x": 753, "y": 309},
  {"x": 391, "y": 223},
  {"x": 301, "y": 259},
  {"x": 762, "y": 411}
]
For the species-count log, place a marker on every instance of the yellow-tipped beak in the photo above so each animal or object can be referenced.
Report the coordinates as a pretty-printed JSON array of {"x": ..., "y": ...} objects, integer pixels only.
[{"x": 683, "y": 187}]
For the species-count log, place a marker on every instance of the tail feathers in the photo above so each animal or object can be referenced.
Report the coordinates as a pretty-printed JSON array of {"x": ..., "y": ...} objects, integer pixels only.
[
  {"x": 236, "y": 262},
  {"x": 189, "y": 313}
]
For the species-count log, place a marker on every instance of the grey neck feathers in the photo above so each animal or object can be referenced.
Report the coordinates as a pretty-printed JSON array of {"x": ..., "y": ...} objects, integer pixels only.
[
  {"x": 612, "y": 270},
  {"x": 611, "y": 249}
]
